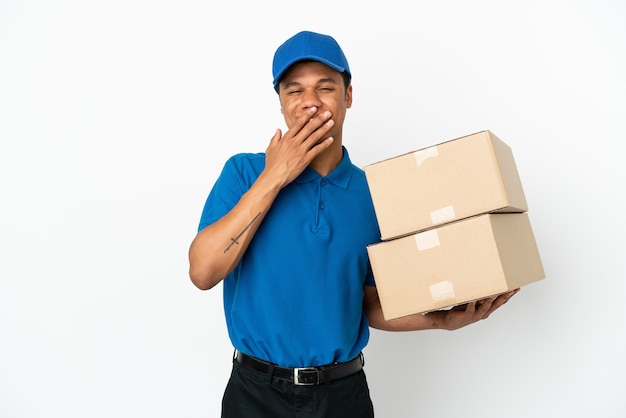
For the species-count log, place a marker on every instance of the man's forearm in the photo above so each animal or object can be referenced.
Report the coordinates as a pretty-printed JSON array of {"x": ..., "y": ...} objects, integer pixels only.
[{"x": 217, "y": 249}]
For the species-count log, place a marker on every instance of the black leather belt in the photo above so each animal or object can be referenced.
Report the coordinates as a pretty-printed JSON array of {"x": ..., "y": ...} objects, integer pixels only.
[{"x": 303, "y": 375}]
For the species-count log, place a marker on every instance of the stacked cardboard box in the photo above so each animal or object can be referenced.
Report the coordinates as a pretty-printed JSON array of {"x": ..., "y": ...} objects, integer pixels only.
[{"x": 454, "y": 224}]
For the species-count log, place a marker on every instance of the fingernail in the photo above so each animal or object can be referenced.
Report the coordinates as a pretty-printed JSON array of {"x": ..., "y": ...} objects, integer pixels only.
[{"x": 313, "y": 109}]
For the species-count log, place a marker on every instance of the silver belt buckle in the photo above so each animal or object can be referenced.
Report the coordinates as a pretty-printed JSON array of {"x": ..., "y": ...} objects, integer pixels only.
[{"x": 296, "y": 377}]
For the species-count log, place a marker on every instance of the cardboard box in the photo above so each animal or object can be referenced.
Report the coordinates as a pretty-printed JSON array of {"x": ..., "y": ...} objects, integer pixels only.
[
  {"x": 455, "y": 263},
  {"x": 453, "y": 180}
]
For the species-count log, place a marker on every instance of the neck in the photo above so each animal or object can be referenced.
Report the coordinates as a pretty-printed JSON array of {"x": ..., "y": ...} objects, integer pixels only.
[{"x": 327, "y": 161}]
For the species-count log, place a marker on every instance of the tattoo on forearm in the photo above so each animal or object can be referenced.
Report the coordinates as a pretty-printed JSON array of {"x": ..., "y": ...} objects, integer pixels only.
[{"x": 234, "y": 240}]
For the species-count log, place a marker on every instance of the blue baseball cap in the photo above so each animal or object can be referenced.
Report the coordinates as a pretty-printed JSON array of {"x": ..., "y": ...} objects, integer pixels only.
[{"x": 308, "y": 45}]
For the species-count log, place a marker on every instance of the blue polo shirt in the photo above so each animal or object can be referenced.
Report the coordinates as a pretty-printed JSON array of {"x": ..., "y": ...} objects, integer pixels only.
[{"x": 296, "y": 296}]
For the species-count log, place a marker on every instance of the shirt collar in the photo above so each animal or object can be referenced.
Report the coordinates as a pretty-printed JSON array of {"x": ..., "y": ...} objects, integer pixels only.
[{"x": 340, "y": 176}]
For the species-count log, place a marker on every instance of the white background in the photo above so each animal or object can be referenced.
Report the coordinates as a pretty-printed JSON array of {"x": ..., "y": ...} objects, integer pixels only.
[{"x": 116, "y": 117}]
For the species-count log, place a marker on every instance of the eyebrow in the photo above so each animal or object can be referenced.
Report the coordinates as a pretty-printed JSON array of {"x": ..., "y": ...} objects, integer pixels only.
[{"x": 321, "y": 80}]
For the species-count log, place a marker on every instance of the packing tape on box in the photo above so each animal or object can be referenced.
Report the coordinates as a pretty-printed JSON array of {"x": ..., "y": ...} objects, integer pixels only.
[
  {"x": 443, "y": 215},
  {"x": 424, "y": 154},
  {"x": 442, "y": 291},
  {"x": 427, "y": 240}
]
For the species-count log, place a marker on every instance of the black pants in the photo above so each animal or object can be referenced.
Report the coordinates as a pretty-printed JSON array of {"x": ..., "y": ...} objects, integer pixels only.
[{"x": 250, "y": 394}]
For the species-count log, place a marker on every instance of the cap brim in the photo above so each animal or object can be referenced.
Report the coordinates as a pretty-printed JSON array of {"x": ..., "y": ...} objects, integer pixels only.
[{"x": 293, "y": 61}]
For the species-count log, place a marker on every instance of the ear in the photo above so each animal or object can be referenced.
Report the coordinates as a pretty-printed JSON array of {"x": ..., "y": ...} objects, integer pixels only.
[{"x": 349, "y": 97}]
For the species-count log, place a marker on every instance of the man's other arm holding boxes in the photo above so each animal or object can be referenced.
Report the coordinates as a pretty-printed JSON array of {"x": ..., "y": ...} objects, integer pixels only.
[{"x": 451, "y": 319}]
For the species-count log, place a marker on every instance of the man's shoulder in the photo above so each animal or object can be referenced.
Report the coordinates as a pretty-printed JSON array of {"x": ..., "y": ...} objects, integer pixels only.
[
  {"x": 246, "y": 161},
  {"x": 247, "y": 157},
  {"x": 358, "y": 175},
  {"x": 358, "y": 171}
]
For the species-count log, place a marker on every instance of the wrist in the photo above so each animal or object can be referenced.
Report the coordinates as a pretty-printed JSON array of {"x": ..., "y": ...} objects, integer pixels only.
[{"x": 436, "y": 320}]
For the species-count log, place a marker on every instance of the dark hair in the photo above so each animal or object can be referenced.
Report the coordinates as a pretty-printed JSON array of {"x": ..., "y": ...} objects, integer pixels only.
[{"x": 346, "y": 77}]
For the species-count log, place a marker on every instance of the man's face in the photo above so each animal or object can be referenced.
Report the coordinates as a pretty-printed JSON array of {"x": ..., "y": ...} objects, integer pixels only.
[{"x": 309, "y": 84}]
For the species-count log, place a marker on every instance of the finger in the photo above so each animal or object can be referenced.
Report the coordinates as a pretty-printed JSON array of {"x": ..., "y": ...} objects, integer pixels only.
[
  {"x": 472, "y": 308},
  {"x": 504, "y": 297},
  {"x": 276, "y": 138},
  {"x": 312, "y": 130},
  {"x": 316, "y": 129},
  {"x": 319, "y": 135},
  {"x": 301, "y": 121},
  {"x": 484, "y": 307},
  {"x": 501, "y": 300},
  {"x": 477, "y": 310}
]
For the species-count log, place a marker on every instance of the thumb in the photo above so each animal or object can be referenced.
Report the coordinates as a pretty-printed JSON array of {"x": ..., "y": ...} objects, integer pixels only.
[
  {"x": 277, "y": 136},
  {"x": 275, "y": 140}
]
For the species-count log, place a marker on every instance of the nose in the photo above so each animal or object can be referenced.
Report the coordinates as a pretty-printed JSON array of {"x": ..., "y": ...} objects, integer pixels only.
[{"x": 310, "y": 98}]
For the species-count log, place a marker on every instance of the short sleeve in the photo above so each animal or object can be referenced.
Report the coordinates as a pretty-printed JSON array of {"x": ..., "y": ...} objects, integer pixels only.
[{"x": 237, "y": 176}]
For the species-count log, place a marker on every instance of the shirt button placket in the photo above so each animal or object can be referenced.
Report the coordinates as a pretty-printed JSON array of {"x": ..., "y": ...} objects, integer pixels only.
[{"x": 321, "y": 202}]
